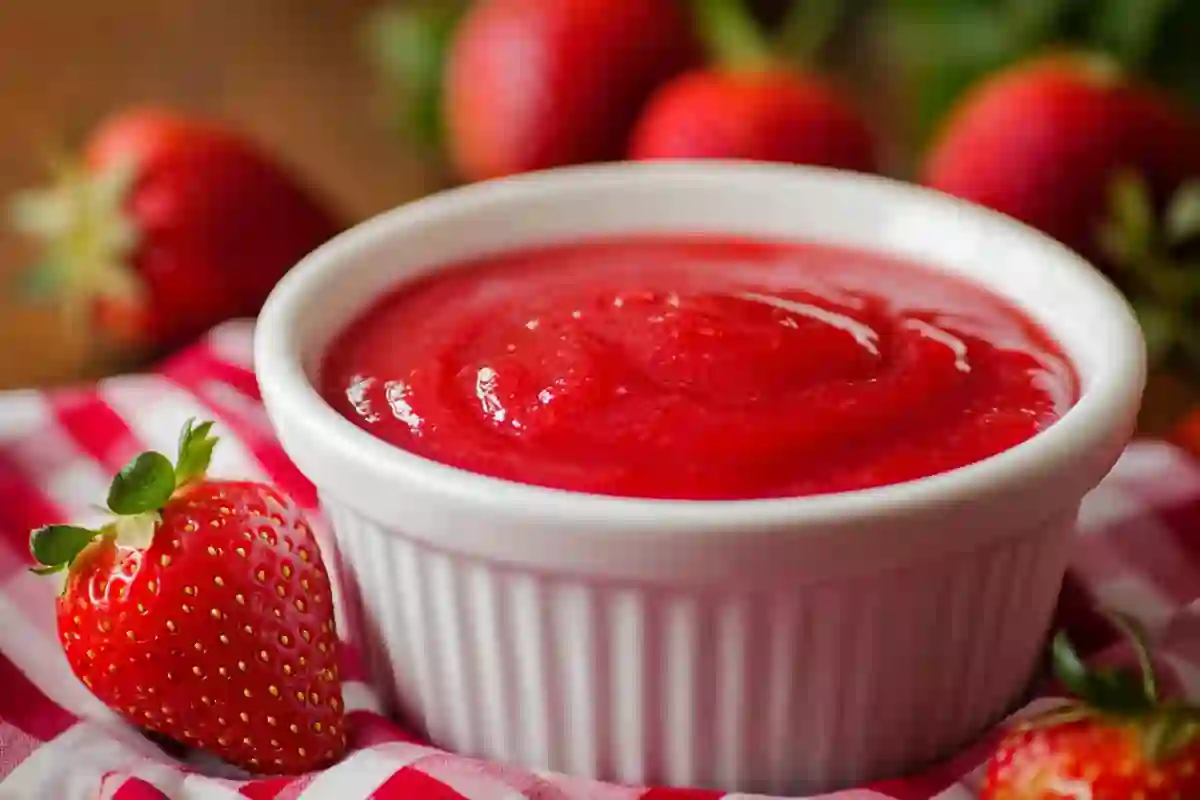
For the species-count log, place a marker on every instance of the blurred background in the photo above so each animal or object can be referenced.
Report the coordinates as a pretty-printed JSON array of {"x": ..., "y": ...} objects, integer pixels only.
[{"x": 370, "y": 104}]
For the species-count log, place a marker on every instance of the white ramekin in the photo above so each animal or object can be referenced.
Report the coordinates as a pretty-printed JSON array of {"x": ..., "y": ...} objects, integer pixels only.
[{"x": 766, "y": 645}]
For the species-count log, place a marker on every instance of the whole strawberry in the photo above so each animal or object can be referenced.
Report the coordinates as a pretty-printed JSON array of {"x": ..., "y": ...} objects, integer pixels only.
[
  {"x": 202, "y": 612},
  {"x": 532, "y": 84},
  {"x": 768, "y": 115},
  {"x": 166, "y": 226},
  {"x": 1117, "y": 741},
  {"x": 751, "y": 105},
  {"x": 1044, "y": 140}
]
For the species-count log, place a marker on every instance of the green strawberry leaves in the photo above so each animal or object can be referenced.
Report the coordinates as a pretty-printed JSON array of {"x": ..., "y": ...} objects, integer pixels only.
[
  {"x": 1126, "y": 696},
  {"x": 731, "y": 34},
  {"x": 1169, "y": 732},
  {"x": 807, "y": 27},
  {"x": 55, "y": 546},
  {"x": 1183, "y": 215},
  {"x": 736, "y": 38},
  {"x": 1148, "y": 251},
  {"x": 407, "y": 45},
  {"x": 195, "y": 452},
  {"x": 1112, "y": 691},
  {"x": 40, "y": 282},
  {"x": 144, "y": 484},
  {"x": 137, "y": 494},
  {"x": 147, "y": 482}
]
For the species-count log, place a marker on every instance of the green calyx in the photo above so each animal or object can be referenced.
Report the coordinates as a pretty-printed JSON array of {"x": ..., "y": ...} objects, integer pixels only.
[
  {"x": 1123, "y": 696},
  {"x": 407, "y": 43},
  {"x": 1156, "y": 258},
  {"x": 86, "y": 237},
  {"x": 737, "y": 41},
  {"x": 136, "y": 496},
  {"x": 732, "y": 36}
]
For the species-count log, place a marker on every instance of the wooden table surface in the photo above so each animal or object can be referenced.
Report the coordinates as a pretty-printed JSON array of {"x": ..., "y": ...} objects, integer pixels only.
[{"x": 290, "y": 72}]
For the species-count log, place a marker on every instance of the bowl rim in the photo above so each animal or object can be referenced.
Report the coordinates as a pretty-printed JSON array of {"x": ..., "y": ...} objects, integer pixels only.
[{"x": 1106, "y": 404}]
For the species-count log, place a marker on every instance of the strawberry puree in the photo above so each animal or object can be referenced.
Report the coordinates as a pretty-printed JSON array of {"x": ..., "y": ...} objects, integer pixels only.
[{"x": 697, "y": 367}]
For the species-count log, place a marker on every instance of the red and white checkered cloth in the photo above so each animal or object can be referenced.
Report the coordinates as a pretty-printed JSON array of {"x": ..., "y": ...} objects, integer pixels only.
[{"x": 1140, "y": 552}]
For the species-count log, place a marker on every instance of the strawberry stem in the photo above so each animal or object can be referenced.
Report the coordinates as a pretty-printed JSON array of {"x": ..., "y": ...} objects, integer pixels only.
[{"x": 733, "y": 37}]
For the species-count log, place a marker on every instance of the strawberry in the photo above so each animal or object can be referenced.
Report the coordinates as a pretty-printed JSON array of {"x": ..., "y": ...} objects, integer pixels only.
[
  {"x": 202, "y": 612},
  {"x": 776, "y": 115},
  {"x": 751, "y": 106},
  {"x": 1042, "y": 141},
  {"x": 167, "y": 225},
  {"x": 532, "y": 84},
  {"x": 1073, "y": 146},
  {"x": 1116, "y": 741}
]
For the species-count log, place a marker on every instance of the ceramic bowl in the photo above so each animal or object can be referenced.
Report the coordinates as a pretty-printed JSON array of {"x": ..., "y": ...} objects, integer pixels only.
[{"x": 784, "y": 645}]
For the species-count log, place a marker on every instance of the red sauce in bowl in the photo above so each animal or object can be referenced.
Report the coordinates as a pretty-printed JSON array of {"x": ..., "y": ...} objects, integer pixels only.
[{"x": 697, "y": 367}]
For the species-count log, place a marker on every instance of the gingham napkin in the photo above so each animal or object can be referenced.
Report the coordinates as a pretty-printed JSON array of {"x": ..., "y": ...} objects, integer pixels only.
[{"x": 1140, "y": 552}]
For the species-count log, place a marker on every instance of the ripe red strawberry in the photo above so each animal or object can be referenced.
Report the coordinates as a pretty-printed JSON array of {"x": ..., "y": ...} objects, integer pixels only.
[
  {"x": 1043, "y": 141},
  {"x": 764, "y": 115},
  {"x": 1116, "y": 742},
  {"x": 533, "y": 84},
  {"x": 202, "y": 612},
  {"x": 1106, "y": 165},
  {"x": 751, "y": 106},
  {"x": 167, "y": 226}
]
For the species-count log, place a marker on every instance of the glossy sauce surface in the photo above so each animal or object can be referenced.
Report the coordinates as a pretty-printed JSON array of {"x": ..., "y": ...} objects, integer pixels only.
[{"x": 697, "y": 367}]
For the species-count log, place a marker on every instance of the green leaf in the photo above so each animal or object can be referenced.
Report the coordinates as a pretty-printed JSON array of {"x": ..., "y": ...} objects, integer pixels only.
[
  {"x": 1183, "y": 215},
  {"x": 195, "y": 452},
  {"x": 1069, "y": 667},
  {"x": 1118, "y": 691},
  {"x": 407, "y": 45},
  {"x": 1132, "y": 209},
  {"x": 942, "y": 49},
  {"x": 39, "y": 282},
  {"x": 1136, "y": 634},
  {"x": 807, "y": 27},
  {"x": 55, "y": 546},
  {"x": 47, "y": 570},
  {"x": 731, "y": 33},
  {"x": 144, "y": 484},
  {"x": 1160, "y": 328},
  {"x": 1128, "y": 29},
  {"x": 1168, "y": 732}
]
